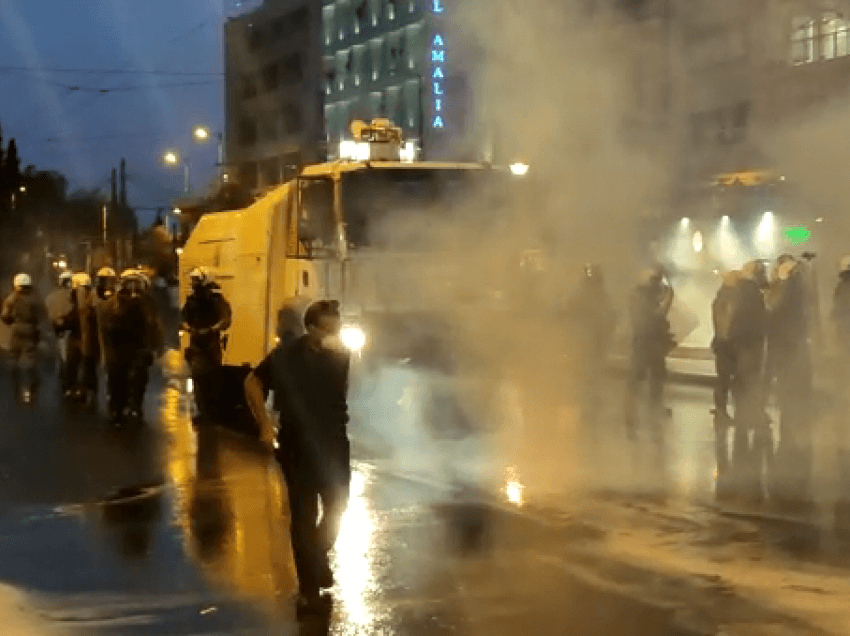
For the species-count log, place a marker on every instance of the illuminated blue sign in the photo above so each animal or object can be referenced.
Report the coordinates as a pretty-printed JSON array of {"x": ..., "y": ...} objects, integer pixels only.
[{"x": 438, "y": 73}]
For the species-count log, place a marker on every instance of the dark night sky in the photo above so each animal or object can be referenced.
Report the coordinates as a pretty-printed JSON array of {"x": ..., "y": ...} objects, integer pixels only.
[{"x": 84, "y": 133}]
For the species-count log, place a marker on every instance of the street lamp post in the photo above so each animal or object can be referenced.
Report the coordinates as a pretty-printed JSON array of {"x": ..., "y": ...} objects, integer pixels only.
[
  {"x": 173, "y": 158},
  {"x": 202, "y": 135}
]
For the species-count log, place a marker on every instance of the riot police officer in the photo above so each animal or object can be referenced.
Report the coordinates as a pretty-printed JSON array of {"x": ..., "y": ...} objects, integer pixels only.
[
  {"x": 649, "y": 307},
  {"x": 58, "y": 308},
  {"x": 205, "y": 315},
  {"x": 790, "y": 365},
  {"x": 592, "y": 319},
  {"x": 131, "y": 335},
  {"x": 24, "y": 312}
]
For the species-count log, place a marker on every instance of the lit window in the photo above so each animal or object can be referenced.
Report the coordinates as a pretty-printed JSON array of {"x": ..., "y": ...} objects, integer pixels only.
[
  {"x": 412, "y": 6},
  {"x": 341, "y": 84},
  {"x": 833, "y": 37},
  {"x": 357, "y": 80},
  {"x": 374, "y": 76},
  {"x": 802, "y": 40},
  {"x": 391, "y": 10}
]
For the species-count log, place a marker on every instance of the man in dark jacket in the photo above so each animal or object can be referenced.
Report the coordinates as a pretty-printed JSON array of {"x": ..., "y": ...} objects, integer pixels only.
[
  {"x": 206, "y": 315},
  {"x": 131, "y": 336},
  {"x": 24, "y": 312},
  {"x": 309, "y": 378}
]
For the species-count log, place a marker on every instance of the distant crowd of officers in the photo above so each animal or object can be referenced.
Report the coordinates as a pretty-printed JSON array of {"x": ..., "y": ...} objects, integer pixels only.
[
  {"x": 762, "y": 347},
  {"x": 111, "y": 326}
]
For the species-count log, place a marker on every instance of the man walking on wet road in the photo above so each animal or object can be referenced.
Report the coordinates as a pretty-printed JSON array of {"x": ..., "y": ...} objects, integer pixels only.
[{"x": 309, "y": 377}]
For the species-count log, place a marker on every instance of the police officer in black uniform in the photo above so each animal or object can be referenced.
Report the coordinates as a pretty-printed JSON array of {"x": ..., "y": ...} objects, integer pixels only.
[
  {"x": 206, "y": 314},
  {"x": 131, "y": 336},
  {"x": 309, "y": 377}
]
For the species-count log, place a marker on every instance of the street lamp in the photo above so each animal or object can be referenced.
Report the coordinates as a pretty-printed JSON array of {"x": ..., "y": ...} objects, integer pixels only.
[
  {"x": 172, "y": 159},
  {"x": 202, "y": 134},
  {"x": 519, "y": 169}
]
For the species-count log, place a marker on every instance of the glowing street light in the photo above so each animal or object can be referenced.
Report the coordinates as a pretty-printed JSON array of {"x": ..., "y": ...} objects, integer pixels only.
[
  {"x": 201, "y": 133},
  {"x": 171, "y": 157}
]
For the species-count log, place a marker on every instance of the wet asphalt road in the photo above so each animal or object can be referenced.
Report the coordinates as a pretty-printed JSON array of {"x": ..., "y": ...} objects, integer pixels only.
[{"x": 170, "y": 530}]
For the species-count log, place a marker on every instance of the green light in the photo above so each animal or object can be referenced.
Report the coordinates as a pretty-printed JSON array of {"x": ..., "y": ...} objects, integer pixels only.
[{"x": 797, "y": 234}]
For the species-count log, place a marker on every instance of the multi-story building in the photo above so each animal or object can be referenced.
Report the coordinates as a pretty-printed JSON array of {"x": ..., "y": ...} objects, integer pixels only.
[
  {"x": 712, "y": 77},
  {"x": 299, "y": 71},
  {"x": 273, "y": 96},
  {"x": 394, "y": 59}
]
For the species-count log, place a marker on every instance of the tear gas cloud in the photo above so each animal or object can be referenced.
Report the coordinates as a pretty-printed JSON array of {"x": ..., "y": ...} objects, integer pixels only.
[{"x": 556, "y": 99}]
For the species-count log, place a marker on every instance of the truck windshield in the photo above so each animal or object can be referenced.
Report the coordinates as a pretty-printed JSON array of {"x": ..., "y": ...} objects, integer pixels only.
[{"x": 397, "y": 207}]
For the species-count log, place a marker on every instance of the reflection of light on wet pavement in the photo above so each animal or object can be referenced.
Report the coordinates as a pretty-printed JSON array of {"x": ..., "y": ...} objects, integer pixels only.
[{"x": 353, "y": 562}]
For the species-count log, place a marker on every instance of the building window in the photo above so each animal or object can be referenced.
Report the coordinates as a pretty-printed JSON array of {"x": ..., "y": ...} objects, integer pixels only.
[
  {"x": 270, "y": 77},
  {"x": 802, "y": 41},
  {"x": 249, "y": 87},
  {"x": 248, "y": 175},
  {"x": 391, "y": 9},
  {"x": 360, "y": 11},
  {"x": 255, "y": 38},
  {"x": 247, "y": 132},
  {"x": 825, "y": 38},
  {"x": 833, "y": 37},
  {"x": 269, "y": 129},
  {"x": 291, "y": 116},
  {"x": 377, "y": 46},
  {"x": 291, "y": 69},
  {"x": 723, "y": 126},
  {"x": 411, "y": 6},
  {"x": 328, "y": 23},
  {"x": 271, "y": 171}
]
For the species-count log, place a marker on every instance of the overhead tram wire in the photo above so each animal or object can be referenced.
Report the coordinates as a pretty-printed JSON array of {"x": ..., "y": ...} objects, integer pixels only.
[{"x": 102, "y": 71}]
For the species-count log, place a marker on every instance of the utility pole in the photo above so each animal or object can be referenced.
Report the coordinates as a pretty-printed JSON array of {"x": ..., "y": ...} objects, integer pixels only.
[
  {"x": 123, "y": 194},
  {"x": 110, "y": 212}
]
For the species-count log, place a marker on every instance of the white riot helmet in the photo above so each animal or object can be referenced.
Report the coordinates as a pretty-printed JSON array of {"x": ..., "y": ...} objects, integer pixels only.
[
  {"x": 106, "y": 272},
  {"x": 80, "y": 279},
  {"x": 200, "y": 276},
  {"x": 844, "y": 265},
  {"x": 22, "y": 280}
]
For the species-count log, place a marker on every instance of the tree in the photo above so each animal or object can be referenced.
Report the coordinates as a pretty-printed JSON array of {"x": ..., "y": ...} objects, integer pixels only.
[{"x": 12, "y": 166}]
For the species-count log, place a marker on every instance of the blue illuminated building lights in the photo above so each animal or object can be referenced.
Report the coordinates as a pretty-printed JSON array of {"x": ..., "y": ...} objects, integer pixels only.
[{"x": 438, "y": 75}]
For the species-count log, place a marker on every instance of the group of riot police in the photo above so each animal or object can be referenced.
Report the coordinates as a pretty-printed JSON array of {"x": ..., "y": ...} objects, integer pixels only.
[
  {"x": 112, "y": 324},
  {"x": 762, "y": 349}
]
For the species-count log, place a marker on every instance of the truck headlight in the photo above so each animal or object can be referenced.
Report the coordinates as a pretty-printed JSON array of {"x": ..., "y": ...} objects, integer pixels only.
[{"x": 353, "y": 337}]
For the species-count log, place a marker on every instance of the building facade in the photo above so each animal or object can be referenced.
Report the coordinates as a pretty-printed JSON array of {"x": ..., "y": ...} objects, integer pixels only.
[
  {"x": 299, "y": 71},
  {"x": 713, "y": 78},
  {"x": 394, "y": 59},
  {"x": 274, "y": 120}
]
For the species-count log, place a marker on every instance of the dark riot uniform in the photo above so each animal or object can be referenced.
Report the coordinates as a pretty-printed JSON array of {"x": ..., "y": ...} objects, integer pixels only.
[
  {"x": 86, "y": 303},
  {"x": 841, "y": 320},
  {"x": 206, "y": 314},
  {"x": 590, "y": 314},
  {"x": 131, "y": 334},
  {"x": 791, "y": 365},
  {"x": 24, "y": 312},
  {"x": 310, "y": 388},
  {"x": 651, "y": 342}
]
